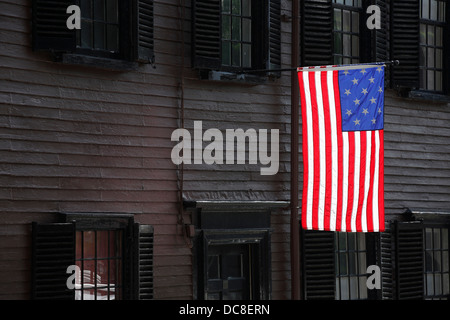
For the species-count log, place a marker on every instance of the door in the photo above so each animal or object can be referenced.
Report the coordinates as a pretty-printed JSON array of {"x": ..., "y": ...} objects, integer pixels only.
[{"x": 229, "y": 272}]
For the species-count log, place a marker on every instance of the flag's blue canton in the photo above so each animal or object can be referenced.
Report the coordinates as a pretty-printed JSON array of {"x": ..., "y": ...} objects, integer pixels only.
[{"x": 362, "y": 98}]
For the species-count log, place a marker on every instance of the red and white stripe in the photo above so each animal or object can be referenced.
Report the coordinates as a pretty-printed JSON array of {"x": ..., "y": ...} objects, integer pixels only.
[{"x": 343, "y": 186}]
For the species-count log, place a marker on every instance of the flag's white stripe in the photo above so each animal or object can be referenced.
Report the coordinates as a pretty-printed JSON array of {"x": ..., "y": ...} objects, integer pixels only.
[
  {"x": 322, "y": 150},
  {"x": 375, "y": 213},
  {"x": 309, "y": 123},
  {"x": 356, "y": 180},
  {"x": 345, "y": 157},
  {"x": 334, "y": 150},
  {"x": 366, "y": 180}
]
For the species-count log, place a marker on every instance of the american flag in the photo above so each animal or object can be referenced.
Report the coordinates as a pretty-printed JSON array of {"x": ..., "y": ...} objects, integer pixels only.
[{"x": 343, "y": 147}]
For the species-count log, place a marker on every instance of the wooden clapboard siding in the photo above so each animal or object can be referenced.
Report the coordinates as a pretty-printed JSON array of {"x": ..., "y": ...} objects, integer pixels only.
[
  {"x": 79, "y": 139},
  {"x": 417, "y": 154}
]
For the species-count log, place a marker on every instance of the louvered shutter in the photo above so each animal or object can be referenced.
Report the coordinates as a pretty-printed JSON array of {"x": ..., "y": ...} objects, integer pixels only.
[
  {"x": 144, "y": 31},
  {"x": 53, "y": 250},
  {"x": 404, "y": 35},
  {"x": 274, "y": 35},
  {"x": 49, "y": 29},
  {"x": 317, "y": 31},
  {"x": 206, "y": 34},
  {"x": 143, "y": 249},
  {"x": 409, "y": 263},
  {"x": 381, "y": 37},
  {"x": 318, "y": 265},
  {"x": 386, "y": 263}
]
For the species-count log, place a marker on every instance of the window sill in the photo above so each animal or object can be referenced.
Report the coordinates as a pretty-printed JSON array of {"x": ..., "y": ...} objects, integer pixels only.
[
  {"x": 428, "y": 96},
  {"x": 233, "y": 77},
  {"x": 97, "y": 62}
]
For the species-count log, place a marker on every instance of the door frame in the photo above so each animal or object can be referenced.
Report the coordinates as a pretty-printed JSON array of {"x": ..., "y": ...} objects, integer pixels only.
[{"x": 259, "y": 239}]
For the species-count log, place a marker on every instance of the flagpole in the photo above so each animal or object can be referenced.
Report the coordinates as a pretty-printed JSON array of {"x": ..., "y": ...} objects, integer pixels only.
[{"x": 387, "y": 63}]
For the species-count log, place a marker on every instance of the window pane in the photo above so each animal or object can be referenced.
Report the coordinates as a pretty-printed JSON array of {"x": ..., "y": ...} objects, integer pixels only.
[
  {"x": 425, "y": 9},
  {"x": 433, "y": 10},
  {"x": 444, "y": 238},
  {"x": 428, "y": 238},
  {"x": 99, "y": 35},
  {"x": 355, "y": 46},
  {"x": 236, "y": 7},
  {"x": 99, "y": 10},
  {"x": 430, "y": 35},
  {"x": 236, "y": 28},
  {"x": 226, "y": 27},
  {"x": 439, "y": 37},
  {"x": 343, "y": 269},
  {"x": 246, "y": 30},
  {"x": 446, "y": 280},
  {"x": 346, "y": 20},
  {"x": 430, "y": 80},
  {"x": 423, "y": 33},
  {"x": 226, "y": 6},
  {"x": 441, "y": 11},
  {"x": 236, "y": 54},
  {"x": 246, "y": 7},
  {"x": 346, "y": 45},
  {"x": 102, "y": 244},
  {"x": 226, "y": 53},
  {"x": 112, "y": 11},
  {"x": 89, "y": 244},
  {"x": 363, "y": 287},
  {"x": 86, "y": 9},
  {"x": 112, "y": 35},
  {"x": 86, "y": 34},
  {"x": 338, "y": 43},
  {"x": 213, "y": 267},
  {"x": 342, "y": 241},
  {"x": 344, "y": 285},
  {"x": 355, "y": 22},
  {"x": 430, "y": 57},
  {"x": 337, "y": 19},
  {"x": 246, "y": 55}
]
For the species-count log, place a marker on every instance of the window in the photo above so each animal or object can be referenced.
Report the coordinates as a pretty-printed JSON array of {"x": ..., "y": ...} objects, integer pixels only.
[
  {"x": 236, "y": 18},
  {"x": 419, "y": 33},
  {"x": 346, "y": 31},
  {"x": 335, "y": 265},
  {"x": 335, "y": 32},
  {"x": 99, "y": 255},
  {"x": 114, "y": 255},
  {"x": 432, "y": 28},
  {"x": 436, "y": 276},
  {"x": 351, "y": 266},
  {"x": 100, "y": 29},
  {"x": 233, "y": 36},
  {"x": 113, "y": 33}
]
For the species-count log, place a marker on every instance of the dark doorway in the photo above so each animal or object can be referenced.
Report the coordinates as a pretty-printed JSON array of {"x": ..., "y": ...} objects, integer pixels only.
[{"x": 229, "y": 272}]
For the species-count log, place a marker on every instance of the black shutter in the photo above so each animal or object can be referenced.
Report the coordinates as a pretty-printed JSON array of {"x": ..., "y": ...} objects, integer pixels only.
[
  {"x": 386, "y": 263},
  {"x": 404, "y": 35},
  {"x": 50, "y": 31},
  {"x": 317, "y": 32},
  {"x": 144, "y": 31},
  {"x": 143, "y": 249},
  {"x": 206, "y": 42},
  {"x": 381, "y": 37},
  {"x": 409, "y": 265},
  {"x": 274, "y": 35},
  {"x": 318, "y": 265},
  {"x": 53, "y": 250}
]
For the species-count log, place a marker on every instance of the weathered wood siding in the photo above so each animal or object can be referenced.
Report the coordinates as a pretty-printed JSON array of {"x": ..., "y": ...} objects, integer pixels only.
[{"x": 79, "y": 139}]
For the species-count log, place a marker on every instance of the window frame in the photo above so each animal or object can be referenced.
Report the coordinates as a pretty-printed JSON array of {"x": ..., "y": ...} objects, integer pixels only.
[
  {"x": 427, "y": 22},
  {"x": 432, "y": 249}
]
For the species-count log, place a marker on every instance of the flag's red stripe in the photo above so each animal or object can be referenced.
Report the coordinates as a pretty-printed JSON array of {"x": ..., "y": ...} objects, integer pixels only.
[
  {"x": 370, "y": 213},
  {"x": 305, "y": 150},
  {"x": 316, "y": 146},
  {"x": 328, "y": 151},
  {"x": 381, "y": 183},
  {"x": 340, "y": 155}
]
